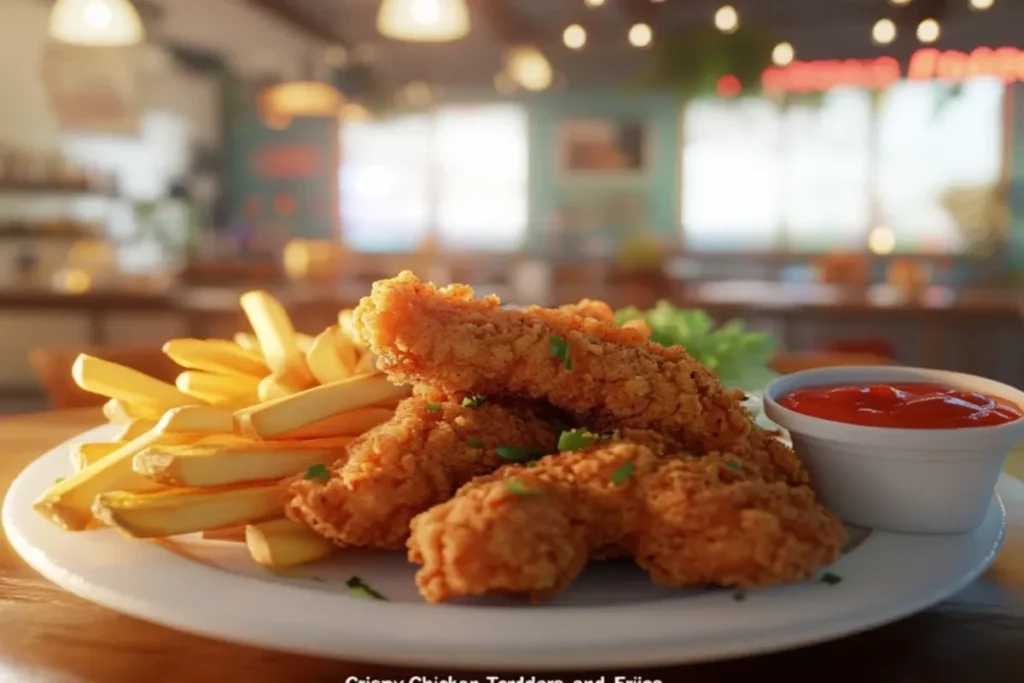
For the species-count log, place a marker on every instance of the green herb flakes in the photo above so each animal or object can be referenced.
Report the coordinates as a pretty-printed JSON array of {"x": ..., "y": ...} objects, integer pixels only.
[
  {"x": 830, "y": 578},
  {"x": 576, "y": 440},
  {"x": 318, "y": 473},
  {"x": 517, "y": 487},
  {"x": 560, "y": 351},
  {"x": 358, "y": 588},
  {"x": 624, "y": 472},
  {"x": 433, "y": 407},
  {"x": 475, "y": 443},
  {"x": 474, "y": 401},
  {"x": 518, "y": 454},
  {"x": 734, "y": 466}
]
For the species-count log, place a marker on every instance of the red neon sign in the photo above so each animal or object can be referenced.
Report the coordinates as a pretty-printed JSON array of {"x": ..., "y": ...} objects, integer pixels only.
[{"x": 1006, "y": 63}]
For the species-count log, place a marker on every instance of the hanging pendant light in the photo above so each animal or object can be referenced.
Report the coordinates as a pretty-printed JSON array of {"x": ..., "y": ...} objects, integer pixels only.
[
  {"x": 301, "y": 99},
  {"x": 424, "y": 21},
  {"x": 528, "y": 67},
  {"x": 97, "y": 23}
]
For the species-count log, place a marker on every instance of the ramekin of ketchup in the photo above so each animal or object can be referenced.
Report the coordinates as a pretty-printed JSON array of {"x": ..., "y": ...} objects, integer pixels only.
[{"x": 900, "y": 449}]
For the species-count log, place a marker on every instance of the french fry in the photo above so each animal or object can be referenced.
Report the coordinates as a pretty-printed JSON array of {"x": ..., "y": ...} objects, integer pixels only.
[
  {"x": 277, "y": 337},
  {"x": 270, "y": 389},
  {"x": 68, "y": 503},
  {"x": 282, "y": 543},
  {"x": 248, "y": 342},
  {"x": 351, "y": 423},
  {"x": 217, "y": 356},
  {"x": 184, "y": 511},
  {"x": 367, "y": 364},
  {"x": 99, "y": 376},
  {"x": 305, "y": 341},
  {"x": 85, "y": 454},
  {"x": 308, "y": 407},
  {"x": 347, "y": 324},
  {"x": 133, "y": 429},
  {"x": 219, "y": 389},
  {"x": 198, "y": 465},
  {"x": 324, "y": 359},
  {"x": 119, "y": 412},
  {"x": 231, "y": 534}
]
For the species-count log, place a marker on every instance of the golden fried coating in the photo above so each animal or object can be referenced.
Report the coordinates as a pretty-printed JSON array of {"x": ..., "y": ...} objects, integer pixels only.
[
  {"x": 607, "y": 377},
  {"x": 406, "y": 465},
  {"x": 688, "y": 521},
  {"x": 590, "y": 308}
]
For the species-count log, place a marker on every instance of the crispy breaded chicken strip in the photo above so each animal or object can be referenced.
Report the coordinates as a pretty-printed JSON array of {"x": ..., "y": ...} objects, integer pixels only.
[
  {"x": 590, "y": 308},
  {"x": 688, "y": 521},
  {"x": 607, "y": 377},
  {"x": 404, "y": 466}
]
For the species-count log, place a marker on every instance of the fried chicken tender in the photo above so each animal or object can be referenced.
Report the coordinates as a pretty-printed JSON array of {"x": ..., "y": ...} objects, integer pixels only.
[
  {"x": 607, "y": 377},
  {"x": 590, "y": 308},
  {"x": 687, "y": 521},
  {"x": 404, "y": 466}
]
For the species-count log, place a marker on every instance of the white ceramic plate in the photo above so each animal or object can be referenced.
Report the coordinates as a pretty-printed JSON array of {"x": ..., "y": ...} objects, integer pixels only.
[{"x": 612, "y": 616}]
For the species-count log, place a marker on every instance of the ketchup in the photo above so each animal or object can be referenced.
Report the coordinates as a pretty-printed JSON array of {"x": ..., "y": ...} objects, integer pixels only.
[{"x": 902, "y": 406}]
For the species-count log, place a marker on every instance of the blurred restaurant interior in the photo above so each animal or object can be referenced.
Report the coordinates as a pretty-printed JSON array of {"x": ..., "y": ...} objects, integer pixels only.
[{"x": 848, "y": 174}]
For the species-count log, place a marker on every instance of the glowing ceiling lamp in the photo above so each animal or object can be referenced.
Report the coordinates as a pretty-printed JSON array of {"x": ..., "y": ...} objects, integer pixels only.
[
  {"x": 108, "y": 23},
  {"x": 528, "y": 67},
  {"x": 299, "y": 99},
  {"x": 424, "y": 21}
]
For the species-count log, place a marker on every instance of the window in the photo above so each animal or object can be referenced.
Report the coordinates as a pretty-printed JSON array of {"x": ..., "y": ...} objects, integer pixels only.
[
  {"x": 818, "y": 176},
  {"x": 460, "y": 172}
]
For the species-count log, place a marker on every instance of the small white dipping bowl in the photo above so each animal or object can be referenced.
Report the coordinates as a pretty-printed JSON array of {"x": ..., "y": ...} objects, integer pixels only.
[{"x": 918, "y": 481}]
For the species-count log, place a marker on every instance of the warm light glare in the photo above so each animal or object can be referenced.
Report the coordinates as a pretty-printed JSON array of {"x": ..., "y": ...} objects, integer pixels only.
[
  {"x": 783, "y": 54},
  {"x": 900, "y": 2},
  {"x": 574, "y": 37},
  {"x": 883, "y": 32},
  {"x": 417, "y": 94},
  {"x": 300, "y": 99},
  {"x": 529, "y": 68},
  {"x": 593, "y": 3},
  {"x": 425, "y": 21},
  {"x": 640, "y": 35},
  {"x": 726, "y": 19},
  {"x": 96, "y": 23},
  {"x": 353, "y": 112},
  {"x": 882, "y": 240},
  {"x": 981, "y": 4},
  {"x": 928, "y": 31},
  {"x": 503, "y": 83},
  {"x": 72, "y": 281}
]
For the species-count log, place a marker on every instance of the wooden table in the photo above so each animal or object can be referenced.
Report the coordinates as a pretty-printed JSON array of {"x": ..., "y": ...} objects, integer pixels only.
[{"x": 49, "y": 635}]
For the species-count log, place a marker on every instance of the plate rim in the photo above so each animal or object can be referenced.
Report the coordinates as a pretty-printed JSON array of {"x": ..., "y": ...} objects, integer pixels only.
[{"x": 382, "y": 645}]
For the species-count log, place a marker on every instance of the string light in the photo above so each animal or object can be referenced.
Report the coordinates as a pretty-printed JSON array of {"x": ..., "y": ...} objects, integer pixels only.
[
  {"x": 883, "y": 32},
  {"x": 928, "y": 31},
  {"x": 593, "y": 3},
  {"x": 783, "y": 54},
  {"x": 574, "y": 37},
  {"x": 981, "y": 4},
  {"x": 726, "y": 19},
  {"x": 900, "y": 2},
  {"x": 640, "y": 35}
]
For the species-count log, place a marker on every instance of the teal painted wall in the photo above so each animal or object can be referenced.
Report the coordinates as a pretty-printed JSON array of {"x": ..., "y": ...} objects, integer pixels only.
[
  {"x": 658, "y": 185},
  {"x": 1015, "y": 255}
]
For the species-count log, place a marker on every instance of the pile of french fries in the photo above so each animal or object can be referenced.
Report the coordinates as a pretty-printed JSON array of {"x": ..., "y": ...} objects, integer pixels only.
[{"x": 209, "y": 454}]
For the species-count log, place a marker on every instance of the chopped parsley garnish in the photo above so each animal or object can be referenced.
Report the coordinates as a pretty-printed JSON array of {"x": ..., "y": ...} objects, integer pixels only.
[
  {"x": 830, "y": 578},
  {"x": 318, "y": 472},
  {"x": 58, "y": 480},
  {"x": 532, "y": 463},
  {"x": 475, "y": 443},
  {"x": 576, "y": 440},
  {"x": 624, "y": 472},
  {"x": 560, "y": 350},
  {"x": 433, "y": 407},
  {"x": 614, "y": 436},
  {"x": 733, "y": 465},
  {"x": 474, "y": 401},
  {"x": 518, "y": 453},
  {"x": 518, "y": 488},
  {"x": 358, "y": 588},
  {"x": 739, "y": 596}
]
